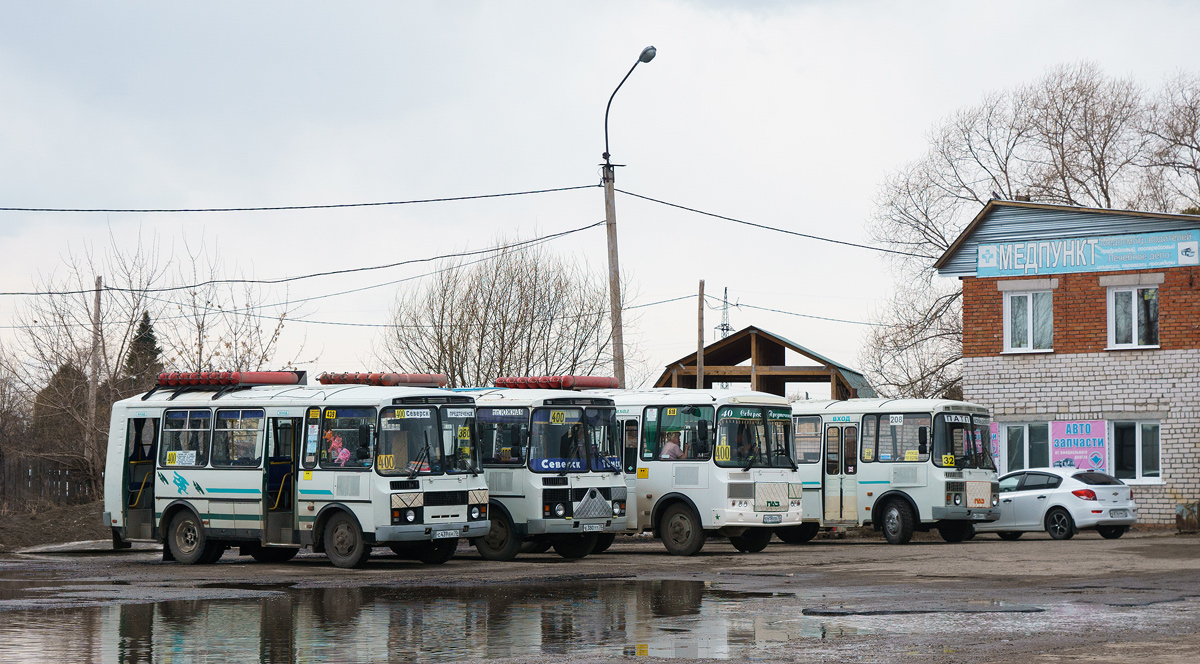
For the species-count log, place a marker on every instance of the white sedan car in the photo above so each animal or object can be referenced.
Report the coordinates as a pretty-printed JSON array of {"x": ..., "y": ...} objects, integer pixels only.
[{"x": 1062, "y": 501}]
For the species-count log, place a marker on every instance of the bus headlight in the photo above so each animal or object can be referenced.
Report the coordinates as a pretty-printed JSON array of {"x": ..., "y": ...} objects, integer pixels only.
[
  {"x": 410, "y": 516},
  {"x": 958, "y": 499},
  {"x": 475, "y": 512},
  {"x": 559, "y": 510},
  {"x": 995, "y": 499},
  {"x": 618, "y": 508}
]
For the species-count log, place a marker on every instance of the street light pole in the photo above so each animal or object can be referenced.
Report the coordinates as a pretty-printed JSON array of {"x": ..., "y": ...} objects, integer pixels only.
[{"x": 610, "y": 225}]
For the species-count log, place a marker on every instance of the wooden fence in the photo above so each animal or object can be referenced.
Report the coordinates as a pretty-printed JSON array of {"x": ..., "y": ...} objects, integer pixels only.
[{"x": 26, "y": 483}]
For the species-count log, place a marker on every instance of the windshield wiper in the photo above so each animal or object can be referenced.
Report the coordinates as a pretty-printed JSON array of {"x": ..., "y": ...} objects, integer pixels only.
[
  {"x": 574, "y": 449},
  {"x": 423, "y": 455}
]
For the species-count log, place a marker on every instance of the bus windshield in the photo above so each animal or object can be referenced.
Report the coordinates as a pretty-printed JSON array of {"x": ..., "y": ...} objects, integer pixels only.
[
  {"x": 502, "y": 433},
  {"x": 408, "y": 442},
  {"x": 458, "y": 440},
  {"x": 745, "y": 439},
  {"x": 572, "y": 440},
  {"x": 959, "y": 442}
]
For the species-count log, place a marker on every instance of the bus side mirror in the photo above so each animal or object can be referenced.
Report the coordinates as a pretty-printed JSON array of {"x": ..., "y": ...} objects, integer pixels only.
[
  {"x": 702, "y": 430},
  {"x": 922, "y": 440},
  {"x": 364, "y": 443}
]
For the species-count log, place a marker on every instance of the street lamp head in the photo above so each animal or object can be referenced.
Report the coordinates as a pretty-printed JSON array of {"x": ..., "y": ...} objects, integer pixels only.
[{"x": 648, "y": 54}]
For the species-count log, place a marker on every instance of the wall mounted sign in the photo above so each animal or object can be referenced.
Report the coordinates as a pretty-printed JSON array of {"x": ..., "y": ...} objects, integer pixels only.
[
  {"x": 1102, "y": 253},
  {"x": 1078, "y": 444}
]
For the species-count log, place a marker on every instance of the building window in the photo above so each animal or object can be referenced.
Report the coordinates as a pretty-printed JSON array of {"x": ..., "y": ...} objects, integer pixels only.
[
  {"x": 1135, "y": 450},
  {"x": 1026, "y": 446},
  {"x": 1133, "y": 317},
  {"x": 1028, "y": 321}
]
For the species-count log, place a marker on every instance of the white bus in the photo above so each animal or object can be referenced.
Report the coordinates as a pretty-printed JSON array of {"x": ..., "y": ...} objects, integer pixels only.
[
  {"x": 899, "y": 465},
  {"x": 552, "y": 461},
  {"x": 262, "y": 461},
  {"x": 701, "y": 461}
]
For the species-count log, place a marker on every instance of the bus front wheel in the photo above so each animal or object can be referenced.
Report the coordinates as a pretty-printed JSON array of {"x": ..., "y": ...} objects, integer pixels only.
[
  {"x": 682, "y": 533},
  {"x": 502, "y": 541},
  {"x": 798, "y": 534},
  {"x": 603, "y": 541},
  {"x": 898, "y": 522},
  {"x": 956, "y": 531},
  {"x": 574, "y": 547},
  {"x": 752, "y": 541},
  {"x": 187, "y": 540},
  {"x": 436, "y": 552},
  {"x": 344, "y": 544}
]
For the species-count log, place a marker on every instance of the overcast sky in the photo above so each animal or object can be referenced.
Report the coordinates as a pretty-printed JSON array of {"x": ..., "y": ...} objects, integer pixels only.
[{"x": 784, "y": 114}]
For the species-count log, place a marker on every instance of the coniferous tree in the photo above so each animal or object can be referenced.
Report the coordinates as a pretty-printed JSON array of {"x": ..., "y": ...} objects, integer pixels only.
[{"x": 144, "y": 361}]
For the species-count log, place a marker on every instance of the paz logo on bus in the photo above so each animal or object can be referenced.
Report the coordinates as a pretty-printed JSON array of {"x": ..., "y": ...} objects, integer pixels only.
[{"x": 772, "y": 503}]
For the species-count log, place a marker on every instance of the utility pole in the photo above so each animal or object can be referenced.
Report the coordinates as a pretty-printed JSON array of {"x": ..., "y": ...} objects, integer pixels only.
[
  {"x": 610, "y": 224},
  {"x": 700, "y": 339},
  {"x": 93, "y": 377},
  {"x": 725, "y": 328}
]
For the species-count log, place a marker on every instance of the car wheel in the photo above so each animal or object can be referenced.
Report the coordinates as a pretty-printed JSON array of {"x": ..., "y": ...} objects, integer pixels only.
[
  {"x": 753, "y": 540},
  {"x": 438, "y": 551},
  {"x": 681, "y": 531},
  {"x": 344, "y": 544},
  {"x": 1010, "y": 535},
  {"x": 1060, "y": 525},
  {"x": 502, "y": 541},
  {"x": 898, "y": 522},
  {"x": 574, "y": 547},
  {"x": 798, "y": 534},
  {"x": 956, "y": 531},
  {"x": 188, "y": 542},
  {"x": 603, "y": 541},
  {"x": 1112, "y": 532}
]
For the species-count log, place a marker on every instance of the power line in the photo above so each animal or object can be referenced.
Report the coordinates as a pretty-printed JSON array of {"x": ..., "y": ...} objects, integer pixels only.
[
  {"x": 299, "y": 207},
  {"x": 740, "y": 305},
  {"x": 214, "y": 282},
  {"x": 771, "y": 228}
]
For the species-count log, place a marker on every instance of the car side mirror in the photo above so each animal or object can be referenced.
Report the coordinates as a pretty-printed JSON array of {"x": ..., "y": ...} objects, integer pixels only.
[
  {"x": 702, "y": 430},
  {"x": 922, "y": 440}
]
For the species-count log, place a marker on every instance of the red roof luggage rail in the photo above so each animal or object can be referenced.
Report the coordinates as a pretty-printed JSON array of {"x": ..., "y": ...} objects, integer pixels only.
[
  {"x": 386, "y": 379},
  {"x": 556, "y": 382}
]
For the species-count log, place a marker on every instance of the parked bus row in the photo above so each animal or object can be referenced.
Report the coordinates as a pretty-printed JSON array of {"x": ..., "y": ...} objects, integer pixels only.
[{"x": 266, "y": 463}]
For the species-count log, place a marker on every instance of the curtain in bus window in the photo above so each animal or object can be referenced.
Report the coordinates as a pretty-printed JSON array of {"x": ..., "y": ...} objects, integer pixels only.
[
  {"x": 346, "y": 437},
  {"x": 502, "y": 435},
  {"x": 900, "y": 437},
  {"x": 807, "y": 439},
  {"x": 185, "y": 438},
  {"x": 237, "y": 439}
]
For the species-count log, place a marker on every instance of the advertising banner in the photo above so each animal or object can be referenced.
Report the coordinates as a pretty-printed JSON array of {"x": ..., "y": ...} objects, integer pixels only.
[
  {"x": 1099, "y": 253},
  {"x": 1078, "y": 444}
]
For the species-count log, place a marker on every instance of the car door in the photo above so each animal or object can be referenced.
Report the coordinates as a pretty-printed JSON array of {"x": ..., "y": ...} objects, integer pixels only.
[
  {"x": 1008, "y": 488},
  {"x": 1031, "y": 500}
]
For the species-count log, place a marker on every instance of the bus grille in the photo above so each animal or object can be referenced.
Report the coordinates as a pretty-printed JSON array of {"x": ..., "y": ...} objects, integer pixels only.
[
  {"x": 400, "y": 485},
  {"x": 556, "y": 495},
  {"x": 443, "y": 498},
  {"x": 741, "y": 490},
  {"x": 579, "y": 493}
]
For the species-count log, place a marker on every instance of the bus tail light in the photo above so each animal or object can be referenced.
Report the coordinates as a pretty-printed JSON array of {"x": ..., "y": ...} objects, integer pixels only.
[{"x": 1084, "y": 494}]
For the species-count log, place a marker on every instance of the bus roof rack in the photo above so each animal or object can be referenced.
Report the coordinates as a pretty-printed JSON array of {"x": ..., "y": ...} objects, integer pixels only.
[
  {"x": 387, "y": 379},
  {"x": 556, "y": 382},
  {"x": 222, "y": 381}
]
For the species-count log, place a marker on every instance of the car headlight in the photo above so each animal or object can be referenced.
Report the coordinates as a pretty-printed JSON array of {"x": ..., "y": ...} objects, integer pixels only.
[
  {"x": 475, "y": 512},
  {"x": 559, "y": 510},
  {"x": 410, "y": 516}
]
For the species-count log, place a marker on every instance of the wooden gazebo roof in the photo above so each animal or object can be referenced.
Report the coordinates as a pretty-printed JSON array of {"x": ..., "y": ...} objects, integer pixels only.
[{"x": 766, "y": 371}]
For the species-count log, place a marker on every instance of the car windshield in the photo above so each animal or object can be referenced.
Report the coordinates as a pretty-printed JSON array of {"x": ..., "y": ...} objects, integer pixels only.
[
  {"x": 458, "y": 440},
  {"x": 960, "y": 441},
  {"x": 408, "y": 442},
  {"x": 1095, "y": 478},
  {"x": 559, "y": 440},
  {"x": 745, "y": 439}
]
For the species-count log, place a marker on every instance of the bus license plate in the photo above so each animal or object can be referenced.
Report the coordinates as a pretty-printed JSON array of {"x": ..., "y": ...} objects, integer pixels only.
[
  {"x": 772, "y": 518},
  {"x": 446, "y": 534},
  {"x": 591, "y": 527},
  {"x": 980, "y": 516},
  {"x": 1119, "y": 514}
]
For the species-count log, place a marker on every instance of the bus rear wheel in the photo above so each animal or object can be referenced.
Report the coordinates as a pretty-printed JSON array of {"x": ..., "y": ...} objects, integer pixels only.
[
  {"x": 436, "y": 552},
  {"x": 536, "y": 546},
  {"x": 187, "y": 540},
  {"x": 344, "y": 544},
  {"x": 956, "y": 531},
  {"x": 603, "y": 541},
  {"x": 502, "y": 541},
  {"x": 574, "y": 547},
  {"x": 273, "y": 554},
  {"x": 798, "y": 534},
  {"x": 681, "y": 531},
  {"x": 752, "y": 541},
  {"x": 898, "y": 522}
]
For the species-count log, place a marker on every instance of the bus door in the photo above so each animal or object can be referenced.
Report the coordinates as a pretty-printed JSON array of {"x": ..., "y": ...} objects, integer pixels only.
[
  {"x": 629, "y": 440},
  {"x": 279, "y": 499},
  {"x": 840, "y": 478},
  {"x": 141, "y": 450}
]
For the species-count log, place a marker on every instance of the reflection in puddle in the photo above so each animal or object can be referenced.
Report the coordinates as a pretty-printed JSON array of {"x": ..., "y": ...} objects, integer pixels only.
[{"x": 599, "y": 618}]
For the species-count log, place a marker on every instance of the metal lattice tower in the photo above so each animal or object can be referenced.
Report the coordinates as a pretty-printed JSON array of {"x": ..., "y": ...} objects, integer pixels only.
[{"x": 724, "y": 328}]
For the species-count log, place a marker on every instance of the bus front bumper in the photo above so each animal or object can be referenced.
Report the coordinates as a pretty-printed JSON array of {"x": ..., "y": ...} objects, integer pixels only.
[
  {"x": 418, "y": 532},
  {"x": 744, "y": 517},
  {"x": 574, "y": 527},
  {"x": 965, "y": 514}
]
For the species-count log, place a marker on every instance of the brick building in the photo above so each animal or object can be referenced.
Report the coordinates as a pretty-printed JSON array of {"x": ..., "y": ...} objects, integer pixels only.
[{"x": 1081, "y": 332}]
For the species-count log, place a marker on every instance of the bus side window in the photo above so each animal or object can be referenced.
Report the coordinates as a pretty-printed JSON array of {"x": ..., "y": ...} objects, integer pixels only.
[
  {"x": 650, "y": 435},
  {"x": 869, "y": 427},
  {"x": 629, "y": 430}
]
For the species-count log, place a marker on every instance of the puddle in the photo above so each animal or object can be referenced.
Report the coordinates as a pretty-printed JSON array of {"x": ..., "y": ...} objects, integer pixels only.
[{"x": 594, "y": 618}]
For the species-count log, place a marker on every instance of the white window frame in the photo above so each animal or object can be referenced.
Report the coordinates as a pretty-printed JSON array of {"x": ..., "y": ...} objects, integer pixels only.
[
  {"x": 1002, "y": 442},
  {"x": 1112, "y": 317},
  {"x": 1007, "y": 320},
  {"x": 1138, "y": 478}
]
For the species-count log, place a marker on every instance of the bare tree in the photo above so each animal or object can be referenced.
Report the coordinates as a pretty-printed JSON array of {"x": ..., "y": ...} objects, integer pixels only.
[
  {"x": 1074, "y": 137},
  {"x": 522, "y": 312},
  {"x": 1173, "y": 125}
]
